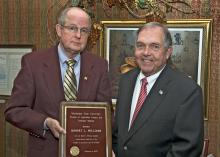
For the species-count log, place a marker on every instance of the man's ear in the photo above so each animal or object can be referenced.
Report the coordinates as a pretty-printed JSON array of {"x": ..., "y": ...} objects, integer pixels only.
[
  {"x": 58, "y": 30},
  {"x": 169, "y": 52}
]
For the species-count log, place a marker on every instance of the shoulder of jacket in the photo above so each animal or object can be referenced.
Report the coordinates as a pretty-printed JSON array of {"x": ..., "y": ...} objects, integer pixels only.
[{"x": 93, "y": 57}]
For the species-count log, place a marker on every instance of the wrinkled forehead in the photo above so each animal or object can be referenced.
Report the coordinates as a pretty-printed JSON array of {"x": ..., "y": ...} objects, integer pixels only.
[
  {"x": 79, "y": 14},
  {"x": 151, "y": 34}
]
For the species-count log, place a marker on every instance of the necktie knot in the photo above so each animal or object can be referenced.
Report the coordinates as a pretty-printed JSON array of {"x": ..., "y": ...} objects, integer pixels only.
[
  {"x": 144, "y": 82},
  {"x": 70, "y": 62}
]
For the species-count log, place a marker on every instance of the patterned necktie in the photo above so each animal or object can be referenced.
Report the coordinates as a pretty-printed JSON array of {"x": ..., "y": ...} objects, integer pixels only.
[
  {"x": 141, "y": 98},
  {"x": 70, "y": 85}
]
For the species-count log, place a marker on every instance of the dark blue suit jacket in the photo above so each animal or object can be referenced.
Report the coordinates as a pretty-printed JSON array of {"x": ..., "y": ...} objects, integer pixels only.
[{"x": 170, "y": 123}]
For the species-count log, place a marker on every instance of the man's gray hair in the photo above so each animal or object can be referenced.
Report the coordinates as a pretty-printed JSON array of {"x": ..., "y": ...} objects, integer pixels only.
[
  {"x": 167, "y": 35},
  {"x": 61, "y": 19}
]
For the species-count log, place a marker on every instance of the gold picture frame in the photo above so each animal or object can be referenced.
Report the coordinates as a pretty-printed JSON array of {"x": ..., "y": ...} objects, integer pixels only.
[
  {"x": 191, "y": 44},
  {"x": 88, "y": 129}
]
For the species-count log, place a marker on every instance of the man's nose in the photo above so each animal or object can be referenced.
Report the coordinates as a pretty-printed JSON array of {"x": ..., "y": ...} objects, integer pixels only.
[
  {"x": 78, "y": 33},
  {"x": 147, "y": 50}
]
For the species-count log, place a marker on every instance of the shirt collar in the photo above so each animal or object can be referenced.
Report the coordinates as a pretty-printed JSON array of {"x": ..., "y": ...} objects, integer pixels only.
[
  {"x": 150, "y": 78},
  {"x": 63, "y": 57}
]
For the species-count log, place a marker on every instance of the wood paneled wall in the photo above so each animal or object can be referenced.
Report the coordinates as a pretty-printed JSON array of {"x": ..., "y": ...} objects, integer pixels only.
[{"x": 25, "y": 22}]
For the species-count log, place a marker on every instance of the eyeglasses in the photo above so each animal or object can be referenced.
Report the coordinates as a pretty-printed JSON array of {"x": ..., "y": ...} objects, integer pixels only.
[
  {"x": 152, "y": 46},
  {"x": 74, "y": 29}
]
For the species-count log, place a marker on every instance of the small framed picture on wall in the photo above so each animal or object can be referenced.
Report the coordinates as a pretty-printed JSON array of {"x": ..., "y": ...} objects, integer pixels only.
[{"x": 10, "y": 64}]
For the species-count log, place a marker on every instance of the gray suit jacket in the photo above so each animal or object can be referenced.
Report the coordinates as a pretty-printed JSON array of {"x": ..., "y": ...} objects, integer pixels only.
[
  {"x": 38, "y": 91},
  {"x": 170, "y": 123}
]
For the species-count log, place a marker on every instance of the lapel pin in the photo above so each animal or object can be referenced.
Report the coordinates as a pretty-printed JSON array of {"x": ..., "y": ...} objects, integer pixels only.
[
  {"x": 160, "y": 92},
  {"x": 85, "y": 78}
]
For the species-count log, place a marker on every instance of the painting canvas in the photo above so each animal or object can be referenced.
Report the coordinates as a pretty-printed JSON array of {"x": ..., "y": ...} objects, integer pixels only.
[{"x": 191, "y": 48}]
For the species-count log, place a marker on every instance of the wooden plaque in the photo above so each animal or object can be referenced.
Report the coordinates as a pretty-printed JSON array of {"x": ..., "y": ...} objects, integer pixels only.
[{"x": 88, "y": 127}]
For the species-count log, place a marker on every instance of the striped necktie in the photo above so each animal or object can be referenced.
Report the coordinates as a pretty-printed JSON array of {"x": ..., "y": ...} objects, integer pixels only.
[
  {"x": 70, "y": 84},
  {"x": 141, "y": 98}
]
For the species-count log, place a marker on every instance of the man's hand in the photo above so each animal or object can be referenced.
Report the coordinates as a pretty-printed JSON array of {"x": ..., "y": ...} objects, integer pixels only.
[
  {"x": 113, "y": 154},
  {"x": 55, "y": 127}
]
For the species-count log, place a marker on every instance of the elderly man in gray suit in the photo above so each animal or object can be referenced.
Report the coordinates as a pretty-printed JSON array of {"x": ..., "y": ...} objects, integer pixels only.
[{"x": 159, "y": 111}]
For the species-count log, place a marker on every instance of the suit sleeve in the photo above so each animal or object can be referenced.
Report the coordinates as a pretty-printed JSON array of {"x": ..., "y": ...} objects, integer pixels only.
[
  {"x": 115, "y": 137},
  {"x": 104, "y": 88},
  {"x": 188, "y": 127},
  {"x": 19, "y": 110}
]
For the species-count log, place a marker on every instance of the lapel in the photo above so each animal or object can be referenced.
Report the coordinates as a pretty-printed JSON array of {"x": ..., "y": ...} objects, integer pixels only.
[
  {"x": 129, "y": 82},
  {"x": 52, "y": 75},
  {"x": 86, "y": 76},
  {"x": 154, "y": 100}
]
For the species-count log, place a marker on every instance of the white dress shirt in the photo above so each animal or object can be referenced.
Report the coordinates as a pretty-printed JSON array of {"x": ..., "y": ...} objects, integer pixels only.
[{"x": 151, "y": 80}]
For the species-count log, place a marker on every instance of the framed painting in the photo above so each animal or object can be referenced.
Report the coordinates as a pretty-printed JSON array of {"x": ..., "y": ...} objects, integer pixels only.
[
  {"x": 10, "y": 64},
  {"x": 191, "y": 49}
]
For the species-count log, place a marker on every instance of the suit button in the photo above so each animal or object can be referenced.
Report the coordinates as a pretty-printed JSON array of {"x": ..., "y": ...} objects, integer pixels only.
[{"x": 125, "y": 148}]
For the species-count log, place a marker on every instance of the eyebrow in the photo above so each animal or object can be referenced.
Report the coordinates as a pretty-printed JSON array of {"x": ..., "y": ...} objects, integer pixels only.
[
  {"x": 75, "y": 25},
  {"x": 140, "y": 42}
]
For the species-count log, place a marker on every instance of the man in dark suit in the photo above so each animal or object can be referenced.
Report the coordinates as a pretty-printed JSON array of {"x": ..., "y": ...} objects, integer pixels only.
[
  {"x": 38, "y": 89},
  {"x": 170, "y": 118}
]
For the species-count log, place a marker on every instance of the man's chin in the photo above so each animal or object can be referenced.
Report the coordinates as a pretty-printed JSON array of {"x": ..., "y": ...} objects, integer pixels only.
[
  {"x": 76, "y": 49},
  {"x": 147, "y": 71}
]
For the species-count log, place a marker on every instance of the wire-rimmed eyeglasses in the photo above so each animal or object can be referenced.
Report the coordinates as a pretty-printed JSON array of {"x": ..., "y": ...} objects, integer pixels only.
[{"x": 74, "y": 29}]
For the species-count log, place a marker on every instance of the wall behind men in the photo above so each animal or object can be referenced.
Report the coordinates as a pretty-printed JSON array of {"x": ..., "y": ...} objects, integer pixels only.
[{"x": 25, "y": 22}]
